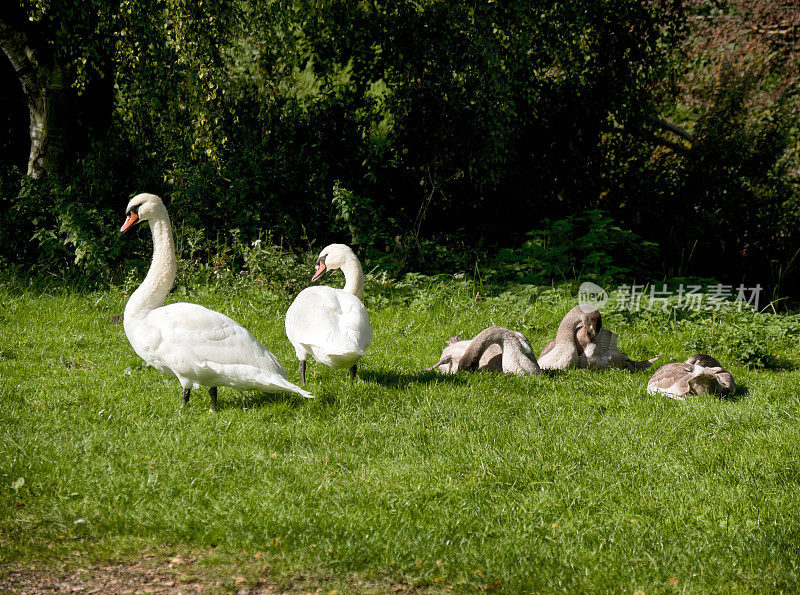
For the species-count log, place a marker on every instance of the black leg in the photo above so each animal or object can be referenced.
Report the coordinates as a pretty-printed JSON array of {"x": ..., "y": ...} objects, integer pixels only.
[
  {"x": 212, "y": 392},
  {"x": 186, "y": 393},
  {"x": 303, "y": 371},
  {"x": 353, "y": 372}
]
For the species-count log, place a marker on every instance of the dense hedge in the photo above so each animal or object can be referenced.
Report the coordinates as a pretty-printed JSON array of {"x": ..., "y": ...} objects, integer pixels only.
[{"x": 430, "y": 134}]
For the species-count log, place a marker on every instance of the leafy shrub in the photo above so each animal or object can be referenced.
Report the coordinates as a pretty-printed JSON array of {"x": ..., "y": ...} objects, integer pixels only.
[
  {"x": 750, "y": 339},
  {"x": 584, "y": 246}
]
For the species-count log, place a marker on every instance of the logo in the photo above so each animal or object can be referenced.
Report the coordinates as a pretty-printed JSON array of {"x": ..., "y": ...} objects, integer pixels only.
[{"x": 590, "y": 294}]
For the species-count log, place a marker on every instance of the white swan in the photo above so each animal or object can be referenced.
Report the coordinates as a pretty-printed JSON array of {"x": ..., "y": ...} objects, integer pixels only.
[
  {"x": 198, "y": 346},
  {"x": 331, "y": 324}
]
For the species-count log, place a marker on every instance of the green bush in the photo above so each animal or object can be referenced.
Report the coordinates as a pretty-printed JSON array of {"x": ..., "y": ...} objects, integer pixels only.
[{"x": 584, "y": 246}]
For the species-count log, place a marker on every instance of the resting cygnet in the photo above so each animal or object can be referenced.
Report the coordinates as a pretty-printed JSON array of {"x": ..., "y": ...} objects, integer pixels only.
[
  {"x": 597, "y": 347},
  {"x": 517, "y": 355},
  {"x": 448, "y": 363},
  {"x": 564, "y": 351},
  {"x": 496, "y": 349},
  {"x": 700, "y": 374}
]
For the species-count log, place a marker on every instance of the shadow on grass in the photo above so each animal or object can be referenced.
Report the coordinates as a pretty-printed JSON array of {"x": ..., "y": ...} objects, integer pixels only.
[
  {"x": 587, "y": 373},
  {"x": 398, "y": 379},
  {"x": 742, "y": 391},
  {"x": 233, "y": 399},
  {"x": 781, "y": 365}
]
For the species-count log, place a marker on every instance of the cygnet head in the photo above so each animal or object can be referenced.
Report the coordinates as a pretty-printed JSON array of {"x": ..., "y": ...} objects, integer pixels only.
[
  {"x": 141, "y": 208},
  {"x": 332, "y": 257},
  {"x": 705, "y": 360},
  {"x": 591, "y": 321},
  {"x": 726, "y": 384},
  {"x": 524, "y": 345}
]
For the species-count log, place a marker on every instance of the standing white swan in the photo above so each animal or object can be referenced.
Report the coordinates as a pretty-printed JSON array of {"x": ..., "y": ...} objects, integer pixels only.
[
  {"x": 197, "y": 345},
  {"x": 331, "y": 324}
]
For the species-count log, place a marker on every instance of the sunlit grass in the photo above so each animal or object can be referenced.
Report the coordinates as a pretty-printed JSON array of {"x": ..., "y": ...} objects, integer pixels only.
[{"x": 572, "y": 481}]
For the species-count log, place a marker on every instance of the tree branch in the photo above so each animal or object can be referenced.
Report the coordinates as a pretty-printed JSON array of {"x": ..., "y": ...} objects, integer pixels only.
[
  {"x": 674, "y": 128},
  {"x": 677, "y": 147},
  {"x": 49, "y": 101}
]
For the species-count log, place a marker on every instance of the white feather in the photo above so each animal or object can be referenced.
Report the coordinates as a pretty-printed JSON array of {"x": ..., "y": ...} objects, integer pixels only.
[
  {"x": 199, "y": 346},
  {"x": 331, "y": 324}
]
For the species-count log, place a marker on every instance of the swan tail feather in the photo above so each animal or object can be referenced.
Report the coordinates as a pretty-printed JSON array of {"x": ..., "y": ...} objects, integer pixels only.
[
  {"x": 644, "y": 364},
  {"x": 284, "y": 385}
]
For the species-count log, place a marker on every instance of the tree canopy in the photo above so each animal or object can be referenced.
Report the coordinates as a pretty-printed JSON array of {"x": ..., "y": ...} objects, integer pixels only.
[{"x": 427, "y": 133}]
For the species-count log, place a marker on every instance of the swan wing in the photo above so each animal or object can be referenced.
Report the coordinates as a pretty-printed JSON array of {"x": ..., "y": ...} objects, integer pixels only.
[
  {"x": 199, "y": 343},
  {"x": 547, "y": 348},
  {"x": 671, "y": 380},
  {"x": 329, "y": 321},
  {"x": 606, "y": 342}
]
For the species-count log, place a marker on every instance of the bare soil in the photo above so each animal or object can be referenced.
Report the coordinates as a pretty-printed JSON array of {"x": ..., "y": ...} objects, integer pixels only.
[{"x": 152, "y": 574}]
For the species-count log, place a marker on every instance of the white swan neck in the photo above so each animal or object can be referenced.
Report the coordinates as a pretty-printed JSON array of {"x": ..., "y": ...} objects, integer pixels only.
[
  {"x": 353, "y": 276},
  {"x": 161, "y": 275}
]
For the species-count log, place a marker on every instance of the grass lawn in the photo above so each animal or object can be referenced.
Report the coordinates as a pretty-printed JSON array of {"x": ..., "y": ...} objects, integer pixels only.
[{"x": 576, "y": 481}]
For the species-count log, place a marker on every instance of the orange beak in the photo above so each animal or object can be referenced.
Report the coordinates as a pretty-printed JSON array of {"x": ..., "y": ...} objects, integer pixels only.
[
  {"x": 130, "y": 220},
  {"x": 321, "y": 270}
]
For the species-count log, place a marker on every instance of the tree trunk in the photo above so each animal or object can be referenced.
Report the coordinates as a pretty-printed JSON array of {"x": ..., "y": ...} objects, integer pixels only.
[{"x": 51, "y": 105}]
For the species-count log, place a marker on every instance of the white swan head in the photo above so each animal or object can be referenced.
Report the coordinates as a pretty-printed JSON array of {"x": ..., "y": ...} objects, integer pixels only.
[
  {"x": 143, "y": 207},
  {"x": 332, "y": 257}
]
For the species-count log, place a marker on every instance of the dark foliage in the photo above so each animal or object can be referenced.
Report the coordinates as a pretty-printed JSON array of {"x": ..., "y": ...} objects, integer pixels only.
[{"x": 430, "y": 135}]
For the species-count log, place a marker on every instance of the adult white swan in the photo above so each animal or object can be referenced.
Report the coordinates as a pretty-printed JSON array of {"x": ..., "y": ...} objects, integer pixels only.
[
  {"x": 331, "y": 324},
  {"x": 198, "y": 346}
]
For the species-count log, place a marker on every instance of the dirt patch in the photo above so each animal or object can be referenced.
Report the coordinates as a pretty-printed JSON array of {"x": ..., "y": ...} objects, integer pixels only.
[{"x": 153, "y": 574}]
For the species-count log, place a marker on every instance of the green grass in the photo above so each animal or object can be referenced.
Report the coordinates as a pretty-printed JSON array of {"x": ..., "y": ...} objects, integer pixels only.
[{"x": 576, "y": 481}]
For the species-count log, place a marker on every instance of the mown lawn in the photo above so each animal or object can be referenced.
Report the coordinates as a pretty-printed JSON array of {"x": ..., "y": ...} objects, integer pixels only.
[{"x": 576, "y": 481}]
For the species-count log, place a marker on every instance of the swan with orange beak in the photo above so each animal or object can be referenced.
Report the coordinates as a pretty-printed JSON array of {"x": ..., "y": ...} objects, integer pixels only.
[
  {"x": 200, "y": 347},
  {"x": 331, "y": 324}
]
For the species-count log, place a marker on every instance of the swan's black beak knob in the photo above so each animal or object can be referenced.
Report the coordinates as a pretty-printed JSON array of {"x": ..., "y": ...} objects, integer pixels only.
[
  {"x": 321, "y": 270},
  {"x": 129, "y": 221}
]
